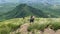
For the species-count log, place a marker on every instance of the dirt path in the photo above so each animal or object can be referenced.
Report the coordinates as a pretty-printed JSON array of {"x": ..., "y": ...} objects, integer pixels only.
[
  {"x": 48, "y": 31},
  {"x": 58, "y": 32},
  {"x": 22, "y": 29}
]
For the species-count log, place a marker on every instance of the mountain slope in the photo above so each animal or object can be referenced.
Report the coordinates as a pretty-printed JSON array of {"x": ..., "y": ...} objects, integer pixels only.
[
  {"x": 6, "y": 7},
  {"x": 23, "y": 10},
  {"x": 48, "y": 8}
]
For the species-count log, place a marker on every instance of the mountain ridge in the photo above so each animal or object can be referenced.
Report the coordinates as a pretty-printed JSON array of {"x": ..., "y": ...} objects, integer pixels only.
[{"x": 23, "y": 10}]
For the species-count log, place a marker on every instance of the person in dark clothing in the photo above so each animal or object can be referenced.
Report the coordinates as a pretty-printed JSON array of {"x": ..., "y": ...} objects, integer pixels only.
[
  {"x": 32, "y": 19},
  {"x": 23, "y": 17}
]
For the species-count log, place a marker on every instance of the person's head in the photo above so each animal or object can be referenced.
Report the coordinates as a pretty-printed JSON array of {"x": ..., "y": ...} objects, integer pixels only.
[{"x": 32, "y": 16}]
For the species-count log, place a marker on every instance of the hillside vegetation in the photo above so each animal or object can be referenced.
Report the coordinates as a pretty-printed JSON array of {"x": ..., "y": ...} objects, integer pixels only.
[
  {"x": 23, "y": 10},
  {"x": 40, "y": 23}
]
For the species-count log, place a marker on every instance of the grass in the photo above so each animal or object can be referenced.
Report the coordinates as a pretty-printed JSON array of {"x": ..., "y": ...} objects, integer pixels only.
[
  {"x": 10, "y": 25},
  {"x": 45, "y": 23},
  {"x": 55, "y": 25}
]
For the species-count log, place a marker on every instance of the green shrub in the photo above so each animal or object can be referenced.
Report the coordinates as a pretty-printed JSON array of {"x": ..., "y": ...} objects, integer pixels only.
[
  {"x": 37, "y": 26},
  {"x": 5, "y": 30},
  {"x": 56, "y": 25},
  {"x": 13, "y": 26}
]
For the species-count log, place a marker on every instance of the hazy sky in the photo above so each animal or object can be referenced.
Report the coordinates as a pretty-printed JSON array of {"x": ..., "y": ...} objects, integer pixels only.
[{"x": 31, "y": 1}]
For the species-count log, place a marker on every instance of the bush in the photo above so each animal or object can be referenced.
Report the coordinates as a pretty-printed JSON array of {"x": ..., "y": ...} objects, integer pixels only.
[
  {"x": 37, "y": 26},
  {"x": 5, "y": 30},
  {"x": 55, "y": 25}
]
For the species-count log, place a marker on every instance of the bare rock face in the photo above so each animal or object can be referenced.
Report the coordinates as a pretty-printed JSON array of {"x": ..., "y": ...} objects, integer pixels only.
[
  {"x": 49, "y": 31},
  {"x": 58, "y": 32}
]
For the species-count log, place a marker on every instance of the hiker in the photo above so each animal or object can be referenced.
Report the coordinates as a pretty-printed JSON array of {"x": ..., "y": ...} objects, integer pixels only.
[
  {"x": 32, "y": 19},
  {"x": 23, "y": 17}
]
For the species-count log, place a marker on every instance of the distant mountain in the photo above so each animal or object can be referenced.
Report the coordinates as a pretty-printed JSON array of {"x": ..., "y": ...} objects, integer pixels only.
[
  {"x": 46, "y": 7},
  {"x": 6, "y": 7},
  {"x": 40, "y": 8},
  {"x": 23, "y": 10}
]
